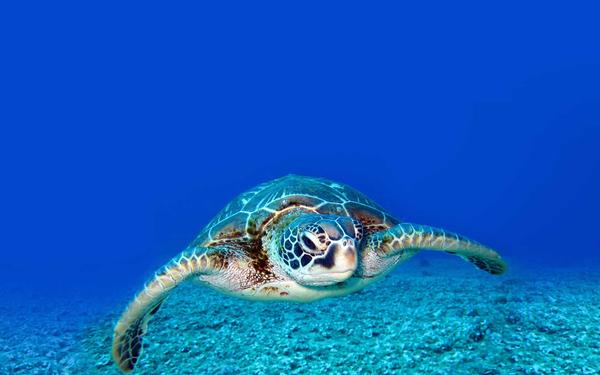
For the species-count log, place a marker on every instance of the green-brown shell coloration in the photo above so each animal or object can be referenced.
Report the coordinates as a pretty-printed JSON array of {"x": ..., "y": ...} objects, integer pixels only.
[{"x": 249, "y": 215}]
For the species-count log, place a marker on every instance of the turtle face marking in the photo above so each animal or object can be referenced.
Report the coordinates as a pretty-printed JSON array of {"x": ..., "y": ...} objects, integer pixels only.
[{"x": 321, "y": 249}]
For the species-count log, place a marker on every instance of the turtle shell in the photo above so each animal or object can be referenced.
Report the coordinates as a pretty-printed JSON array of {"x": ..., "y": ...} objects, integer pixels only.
[{"x": 248, "y": 215}]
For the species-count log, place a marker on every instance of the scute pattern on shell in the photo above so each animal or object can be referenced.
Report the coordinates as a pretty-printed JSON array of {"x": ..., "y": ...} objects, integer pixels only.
[{"x": 247, "y": 216}]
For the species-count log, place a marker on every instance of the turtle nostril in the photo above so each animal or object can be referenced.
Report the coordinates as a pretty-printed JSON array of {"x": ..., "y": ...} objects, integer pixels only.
[{"x": 345, "y": 243}]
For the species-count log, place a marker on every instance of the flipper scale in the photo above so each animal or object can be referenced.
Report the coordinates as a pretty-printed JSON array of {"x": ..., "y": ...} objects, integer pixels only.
[
  {"x": 406, "y": 236},
  {"x": 127, "y": 340}
]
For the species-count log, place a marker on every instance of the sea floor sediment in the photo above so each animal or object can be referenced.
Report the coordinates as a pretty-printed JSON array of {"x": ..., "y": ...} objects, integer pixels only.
[{"x": 432, "y": 316}]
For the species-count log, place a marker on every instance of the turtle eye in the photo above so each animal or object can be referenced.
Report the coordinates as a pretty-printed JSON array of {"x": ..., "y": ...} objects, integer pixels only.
[{"x": 308, "y": 241}]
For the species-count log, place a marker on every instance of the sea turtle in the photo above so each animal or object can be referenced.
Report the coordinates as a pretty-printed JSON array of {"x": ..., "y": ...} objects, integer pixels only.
[{"x": 292, "y": 239}]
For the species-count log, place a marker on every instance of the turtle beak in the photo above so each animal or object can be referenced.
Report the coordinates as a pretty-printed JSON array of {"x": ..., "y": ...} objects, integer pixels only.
[
  {"x": 338, "y": 264},
  {"x": 345, "y": 256}
]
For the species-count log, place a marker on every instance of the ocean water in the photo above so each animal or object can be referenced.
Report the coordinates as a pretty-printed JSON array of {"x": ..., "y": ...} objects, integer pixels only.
[{"x": 125, "y": 128}]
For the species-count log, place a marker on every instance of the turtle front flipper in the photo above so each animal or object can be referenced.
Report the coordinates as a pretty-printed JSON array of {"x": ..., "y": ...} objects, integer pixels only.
[
  {"x": 127, "y": 341},
  {"x": 407, "y": 237}
]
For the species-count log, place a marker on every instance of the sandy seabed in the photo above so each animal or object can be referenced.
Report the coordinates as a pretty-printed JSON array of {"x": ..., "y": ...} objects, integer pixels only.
[{"x": 431, "y": 316}]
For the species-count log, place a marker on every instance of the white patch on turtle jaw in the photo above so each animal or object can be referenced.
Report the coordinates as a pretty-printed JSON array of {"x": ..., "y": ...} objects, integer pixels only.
[{"x": 344, "y": 262}]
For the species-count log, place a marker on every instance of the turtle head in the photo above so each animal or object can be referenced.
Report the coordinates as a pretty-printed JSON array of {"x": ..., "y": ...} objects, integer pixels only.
[{"x": 318, "y": 250}]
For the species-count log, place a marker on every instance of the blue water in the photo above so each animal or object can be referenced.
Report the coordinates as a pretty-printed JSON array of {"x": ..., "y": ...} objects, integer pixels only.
[{"x": 126, "y": 128}]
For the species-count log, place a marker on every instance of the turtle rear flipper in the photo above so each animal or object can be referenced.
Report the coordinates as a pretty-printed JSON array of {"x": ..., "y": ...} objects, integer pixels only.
[
  {"x": 407, "y": 237},
  {"x": 127, "y": 341}
]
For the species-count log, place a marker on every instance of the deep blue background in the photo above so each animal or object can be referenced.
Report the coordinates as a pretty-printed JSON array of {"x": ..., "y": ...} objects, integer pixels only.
[{"x": 126, "y": 128}]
